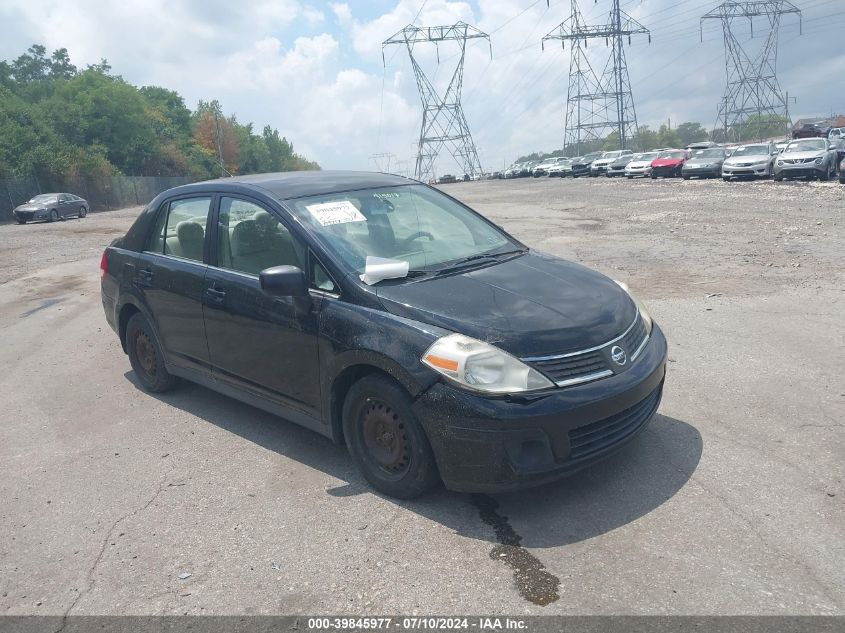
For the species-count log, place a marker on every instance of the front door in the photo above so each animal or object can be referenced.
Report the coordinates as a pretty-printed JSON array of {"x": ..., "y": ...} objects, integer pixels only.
[
  {"x": 170, "y": 275},
  {"x": 266, "y": 345}
]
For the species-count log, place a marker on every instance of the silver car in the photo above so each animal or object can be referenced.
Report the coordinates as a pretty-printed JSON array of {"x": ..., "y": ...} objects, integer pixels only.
[
  {"x": 640, "y": 165},
  {"x": 750, "y": 161},
  {"x": 807, "y": 158}
]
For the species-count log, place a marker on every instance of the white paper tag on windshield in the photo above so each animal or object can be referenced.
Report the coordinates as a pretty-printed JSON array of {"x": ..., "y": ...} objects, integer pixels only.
[
  {"x": 340, "y": 212},
  {"x": 379, "y": 268}
]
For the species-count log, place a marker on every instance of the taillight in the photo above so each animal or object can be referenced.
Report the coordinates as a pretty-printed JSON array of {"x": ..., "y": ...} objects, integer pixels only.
[{"x": 103, "y": 265}]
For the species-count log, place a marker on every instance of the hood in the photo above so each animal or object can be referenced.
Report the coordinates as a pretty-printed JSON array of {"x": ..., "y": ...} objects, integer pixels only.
[
  {"x": 703, "y": 160},
  {"x": 532, "y": 305},
  {"x": 666, "y": 162},
  {"x": 816, "y": 153},
  {"x": 749, "y": 158},
  {"x": 603, "y": 161},
  {"x": 29, "y": 207},
  {"x": 639, "y": 163}
]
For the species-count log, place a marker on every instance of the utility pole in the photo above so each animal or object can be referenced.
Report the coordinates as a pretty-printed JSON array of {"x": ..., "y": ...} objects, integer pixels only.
[
  {"x": 443, "y": 120},
  {"x": 378, "y": 158},
  {"x": 598, "y": 104},
  {"x": 752, "y": 88}
]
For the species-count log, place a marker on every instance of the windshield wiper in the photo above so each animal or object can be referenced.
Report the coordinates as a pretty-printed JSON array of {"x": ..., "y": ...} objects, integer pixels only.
[{"x": 472, "y": 258}]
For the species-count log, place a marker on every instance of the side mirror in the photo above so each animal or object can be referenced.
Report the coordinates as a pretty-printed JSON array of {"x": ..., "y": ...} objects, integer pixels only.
[{"x": 283, "y": 281}]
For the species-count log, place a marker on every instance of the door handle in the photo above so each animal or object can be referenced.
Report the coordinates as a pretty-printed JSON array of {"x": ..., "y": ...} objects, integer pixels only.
[
  {"x": 145, "y": 278},
  {"x": 215, "y": 297}
]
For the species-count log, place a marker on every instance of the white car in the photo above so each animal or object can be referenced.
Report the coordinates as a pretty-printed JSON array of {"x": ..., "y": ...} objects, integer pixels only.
[
  {"x": 640, "y": 166},
  {"x": 543, "y": 168},
  {"x": 599, "y": 166}
]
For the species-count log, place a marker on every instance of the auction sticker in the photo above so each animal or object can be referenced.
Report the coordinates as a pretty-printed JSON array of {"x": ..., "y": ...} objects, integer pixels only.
[{"x": 339, "y": 212}]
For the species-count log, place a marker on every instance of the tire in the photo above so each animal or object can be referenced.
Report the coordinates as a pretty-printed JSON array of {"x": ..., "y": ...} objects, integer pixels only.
[
  {"x": 842, "y": 177},
  {"x": 778, "y": 178},
  {"x": 726, "y": 178},
  {"x": 385, "y": 439},
  {"x": 83, "y": 212},
  {"x": 20, "y": 221},
  {"x": 685, "y": 177},
  {"x": 54, "y": 216},
  {"x": 145, "y": 356},
  {"x": 654, "y": 177}
]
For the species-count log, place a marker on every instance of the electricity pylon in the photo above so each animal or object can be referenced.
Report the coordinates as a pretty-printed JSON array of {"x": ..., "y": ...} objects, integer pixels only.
[
  {"x": 443, "y": 121},
  {"x": 753, "y": 100},
  {"x": 597, "y": 105}
]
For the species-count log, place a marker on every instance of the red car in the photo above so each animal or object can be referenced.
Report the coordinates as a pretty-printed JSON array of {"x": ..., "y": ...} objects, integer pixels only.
[{"x": 669, "y": 163}]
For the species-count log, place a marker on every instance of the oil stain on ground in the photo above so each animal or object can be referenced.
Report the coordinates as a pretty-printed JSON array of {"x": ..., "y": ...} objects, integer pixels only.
[{"x": 534, "y": 583}]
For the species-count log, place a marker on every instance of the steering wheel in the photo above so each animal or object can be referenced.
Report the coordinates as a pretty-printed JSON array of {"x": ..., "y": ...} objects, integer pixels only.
[{"x": 415, "y": 236}]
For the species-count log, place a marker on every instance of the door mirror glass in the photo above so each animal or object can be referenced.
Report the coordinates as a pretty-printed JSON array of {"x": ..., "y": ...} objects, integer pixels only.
[{"x": 283, "y": 281}]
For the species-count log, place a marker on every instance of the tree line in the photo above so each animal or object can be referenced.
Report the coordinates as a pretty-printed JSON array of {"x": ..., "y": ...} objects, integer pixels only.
[
  {"x": 754, "y": 128},
  {"x": 58, "y": 121}
]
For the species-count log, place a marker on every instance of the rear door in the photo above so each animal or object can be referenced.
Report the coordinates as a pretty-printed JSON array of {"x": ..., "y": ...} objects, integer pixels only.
[
  {"x": 170, "y": 275},
  {"x": 266, "y": 345}
]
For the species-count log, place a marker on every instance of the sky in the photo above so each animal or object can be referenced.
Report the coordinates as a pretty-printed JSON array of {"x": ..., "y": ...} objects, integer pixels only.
[{"x": 317, "y": 72}]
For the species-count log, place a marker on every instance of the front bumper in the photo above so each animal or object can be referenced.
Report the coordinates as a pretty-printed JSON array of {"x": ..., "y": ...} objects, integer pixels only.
[
  {"x": 666, "y": 172},
  {"x": 701, "y": 172},
  {"x": 637, "y": 171},
  {"x": 598, "y": 170},
  {"x": 749, "y": 170},
  {"x": 29, "y": 215},
  {"x": 803, "y": 170},
  {"x": 485, "y": 444}
]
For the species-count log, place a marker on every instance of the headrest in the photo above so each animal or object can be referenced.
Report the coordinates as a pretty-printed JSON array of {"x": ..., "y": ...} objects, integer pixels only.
[
  {"x": 246, "y": 239},
  {"x": 265, "y": 220},
  {"x": 189, "y": 231}
]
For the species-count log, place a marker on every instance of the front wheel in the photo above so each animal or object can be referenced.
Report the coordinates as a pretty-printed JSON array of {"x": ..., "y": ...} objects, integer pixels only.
[
  {"x": 83, "y": 212},
  {"x": 654, "y": 176},
  {"x": 685, "y": 177},
  {"x": 145, "y": 355},
  {"x": 54, "y": 216},
  {"x": 726, "y": 178},
  {"x": 778, "y": 178},
  {"x": 385, "y": 439}
]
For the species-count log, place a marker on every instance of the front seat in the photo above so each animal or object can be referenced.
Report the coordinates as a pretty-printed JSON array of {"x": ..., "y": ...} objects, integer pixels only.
[{"x": 248, "y": 247}]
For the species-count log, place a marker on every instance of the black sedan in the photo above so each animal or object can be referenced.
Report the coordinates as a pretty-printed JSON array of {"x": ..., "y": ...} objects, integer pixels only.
[
  {"x": 51, "y": 207},
  {"x": 386, "y": 315}
]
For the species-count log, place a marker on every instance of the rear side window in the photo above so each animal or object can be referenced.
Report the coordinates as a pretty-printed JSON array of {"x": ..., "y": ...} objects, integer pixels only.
[{"x": 180, "y": 231}]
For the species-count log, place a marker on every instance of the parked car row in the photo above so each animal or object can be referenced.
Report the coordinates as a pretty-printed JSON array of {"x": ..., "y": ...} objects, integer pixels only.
[{"x": 807, "y": 158}]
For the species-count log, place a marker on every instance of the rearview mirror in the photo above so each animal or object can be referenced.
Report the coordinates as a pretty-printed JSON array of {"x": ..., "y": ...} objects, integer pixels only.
[{"x": 283, "y": 281}]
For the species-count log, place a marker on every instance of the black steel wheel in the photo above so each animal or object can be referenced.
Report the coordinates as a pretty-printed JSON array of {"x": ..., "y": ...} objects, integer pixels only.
[
  {"x": 145, "y": 355},
  {"x": 386, "y": 440}
]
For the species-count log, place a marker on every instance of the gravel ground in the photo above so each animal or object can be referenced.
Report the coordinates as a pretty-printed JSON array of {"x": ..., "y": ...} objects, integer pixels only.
[{"x": 731, "y": 502}]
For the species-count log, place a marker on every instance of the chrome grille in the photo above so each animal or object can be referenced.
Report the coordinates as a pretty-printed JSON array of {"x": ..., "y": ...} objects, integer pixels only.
[{"x": 591, "y": 364}]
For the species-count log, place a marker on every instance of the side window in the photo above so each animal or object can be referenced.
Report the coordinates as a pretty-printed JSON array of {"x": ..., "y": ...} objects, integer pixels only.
[
  {"x": 319, "y": 278},
  {"x": 250, "y": 239},
  {"x": 180, "y": 231}
]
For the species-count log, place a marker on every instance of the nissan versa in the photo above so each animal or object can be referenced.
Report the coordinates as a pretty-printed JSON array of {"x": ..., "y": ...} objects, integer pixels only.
[{"x": 385, "y": 314}]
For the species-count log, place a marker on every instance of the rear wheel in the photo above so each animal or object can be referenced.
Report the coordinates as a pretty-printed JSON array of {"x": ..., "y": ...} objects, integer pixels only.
[
  {"x": 145, "y": 356},
  {"x": 386, "y": 440}
]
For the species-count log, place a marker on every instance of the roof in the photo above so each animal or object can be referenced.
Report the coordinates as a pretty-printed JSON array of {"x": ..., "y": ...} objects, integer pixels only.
[{"x": 297, "y": 184}]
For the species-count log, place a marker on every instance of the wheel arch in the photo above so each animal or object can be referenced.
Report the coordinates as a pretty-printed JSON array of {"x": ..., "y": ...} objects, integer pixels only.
[{"x": 358, "y": 366}]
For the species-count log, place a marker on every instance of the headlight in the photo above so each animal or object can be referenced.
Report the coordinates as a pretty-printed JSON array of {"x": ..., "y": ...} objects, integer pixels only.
[
  {"x": 640, "y": 306},
  {"x": 780, "y": 163},
  {"x": 482, "y": 367},
  {"x": 819, "y": 160}
]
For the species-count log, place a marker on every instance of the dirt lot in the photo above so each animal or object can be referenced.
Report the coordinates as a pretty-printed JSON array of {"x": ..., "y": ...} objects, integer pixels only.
[{"x": 731, "y": 502}]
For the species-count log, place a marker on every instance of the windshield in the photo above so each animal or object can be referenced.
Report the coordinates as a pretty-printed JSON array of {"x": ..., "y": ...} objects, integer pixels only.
[
  {"x": 710, "y": 153},
  {"x": 751, "y": 150},
  {"x": 410, "y": 223},
  {"x": 612, "y": 154},
  {"x": 44, "y": 198},
  {"x": 806, "y": 145},
  {"x": 678, "y": 154},
  {"x": 593, "y": 156}
]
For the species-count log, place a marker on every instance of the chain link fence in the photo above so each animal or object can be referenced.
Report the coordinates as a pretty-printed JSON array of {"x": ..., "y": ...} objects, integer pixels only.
[{"x": 112, "y": 192}]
